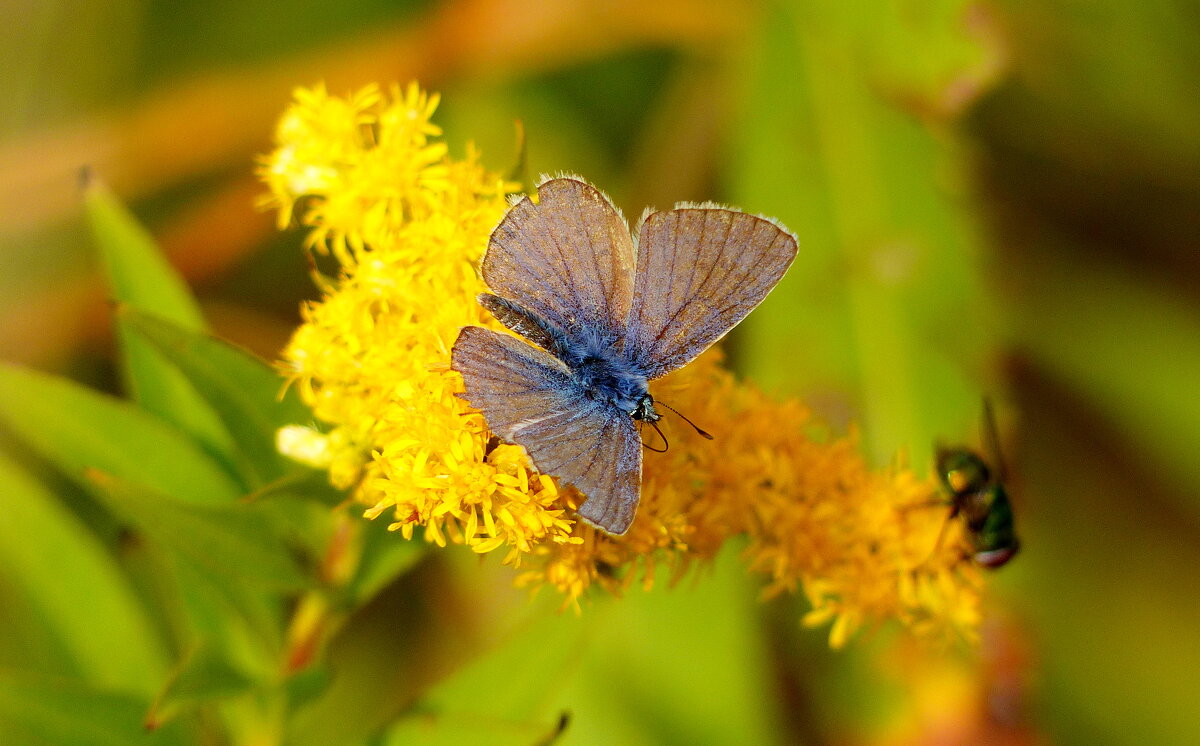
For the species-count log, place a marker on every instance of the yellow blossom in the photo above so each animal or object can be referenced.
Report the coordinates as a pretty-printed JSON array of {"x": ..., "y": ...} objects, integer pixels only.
[{"x": 369, "y": 179}]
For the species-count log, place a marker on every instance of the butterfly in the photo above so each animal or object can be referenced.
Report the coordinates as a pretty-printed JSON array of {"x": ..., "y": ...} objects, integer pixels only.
[{"x": 608, "y": 312}]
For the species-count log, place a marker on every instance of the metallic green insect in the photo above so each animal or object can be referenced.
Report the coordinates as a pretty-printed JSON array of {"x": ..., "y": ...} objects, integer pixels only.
[{"x": 977, "y": 494}]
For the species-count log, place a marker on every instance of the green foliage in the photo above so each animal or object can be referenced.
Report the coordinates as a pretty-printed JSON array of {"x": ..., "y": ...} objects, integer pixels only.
[
  {"x": 43, "y": 592},
  {"x": 39, "y": 711},
  {"x": 79, "y": 429},
  {"x": 203, "y": 675},
  {"x": 884, "y": 299},
  {"x": 140, "y": 277},
  {"x": 1042, "y": 238},
  {"x": 245, "y": 394},
  {"x": 1133, "y": 323},
  {"x": 226, "y": 540},
  {"x": 185, "y": 619}
]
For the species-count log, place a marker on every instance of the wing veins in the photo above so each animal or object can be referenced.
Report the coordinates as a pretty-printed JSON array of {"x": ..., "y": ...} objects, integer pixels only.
[
  {"x": 595, "y": 453},
  {"x": 680, "y": 307},
  {"x": 585, "y": 449},
  {"x": 554, "y": 235},
  {"x": 595, "y": 260}
]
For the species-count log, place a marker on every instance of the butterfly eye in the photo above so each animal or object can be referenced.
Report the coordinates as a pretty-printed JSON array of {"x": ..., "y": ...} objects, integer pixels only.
[{"x": 644, "y": 410}]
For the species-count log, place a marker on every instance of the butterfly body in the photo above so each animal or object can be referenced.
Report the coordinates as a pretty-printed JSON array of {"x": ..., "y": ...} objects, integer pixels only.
[
  {"x": 609, "y": 313},
  {"x": 601, "y": 370},
  {"x": 606, "y": 377}
]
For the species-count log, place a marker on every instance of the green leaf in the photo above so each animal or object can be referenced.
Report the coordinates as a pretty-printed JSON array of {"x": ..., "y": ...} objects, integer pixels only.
[
  {"x": 138, "y": 274},
  {"x": 300, "y": 507},
  {"x": 77, "y": 428},
  {"x": 230, "y": 541},
  {"x": 532, "y": 662},
  {"x": 231, "y": 615},
  {"x": 610, "y": 668},
  {"x": 203, "y": 676},
  {"x": 140, "y": 277},
  {"x": 39, "y": 711},
  {"x": 700, "y": 641},
  {"x": 306, "y": 685},
  {"x": 888, "y": 257},
  {"x": 48, "y": 563},
  {"x": 244, "y": 391}
]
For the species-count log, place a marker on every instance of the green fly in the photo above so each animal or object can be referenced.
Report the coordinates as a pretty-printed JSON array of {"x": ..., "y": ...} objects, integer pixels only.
[{"x": 977, "y": 494}]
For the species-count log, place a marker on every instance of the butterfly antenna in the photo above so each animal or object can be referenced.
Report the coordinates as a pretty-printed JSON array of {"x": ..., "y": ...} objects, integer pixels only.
[
  {"x": 666, "y": 443},
  {"x": 685, "y": 419}
]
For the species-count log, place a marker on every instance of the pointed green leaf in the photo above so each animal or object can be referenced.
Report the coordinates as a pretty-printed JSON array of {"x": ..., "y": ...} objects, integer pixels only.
[
  {"x": 501, "y": 679},
  {"x": 139, "y": 276},
  {"x": 300, "y": 507},
  {"x": 50, "y": 561},
  {"x": 229, "y": 541},
  {"x": 230, "y": 615},
  {"x": 37, "y": 711},
  {"x": 234, "y": 620},
  {"x": 137, "y": 272},
  {"x": 243, "y": 390},
  {"x": 77, "y": 428}
]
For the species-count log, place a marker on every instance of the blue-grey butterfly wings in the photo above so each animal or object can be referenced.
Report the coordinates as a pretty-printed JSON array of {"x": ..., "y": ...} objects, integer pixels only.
[
  {"x": 700, "y": 271},
  {"x": 609, "y": 313}
]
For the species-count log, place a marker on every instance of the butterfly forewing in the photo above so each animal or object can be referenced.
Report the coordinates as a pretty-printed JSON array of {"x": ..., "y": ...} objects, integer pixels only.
[
  {"x": 529, "y": 397},
  {"x": 569, "y": 258},
  {"x": 700, "y": 271}
]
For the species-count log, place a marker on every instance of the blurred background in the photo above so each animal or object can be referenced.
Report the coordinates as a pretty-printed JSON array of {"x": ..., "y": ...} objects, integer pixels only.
[{"x": 992, "y": 198}]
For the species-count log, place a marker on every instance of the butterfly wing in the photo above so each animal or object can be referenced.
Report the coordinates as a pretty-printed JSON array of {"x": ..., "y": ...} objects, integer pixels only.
[
  {"x": 530, "y": 398},
  {"x": 597, "y": 449},
  {"x": 700, "y": 271},
  {"x": 569, "y": 258}
]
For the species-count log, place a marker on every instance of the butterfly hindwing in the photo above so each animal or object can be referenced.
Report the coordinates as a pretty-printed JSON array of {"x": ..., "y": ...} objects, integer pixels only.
[
  {"x": 569, "y": 258},
  {"x": 529, "y": 397},
  {"x": 596, "y": 448},
  {"x": 508, "y": 380},
  {"x": 700, "y": 271}
]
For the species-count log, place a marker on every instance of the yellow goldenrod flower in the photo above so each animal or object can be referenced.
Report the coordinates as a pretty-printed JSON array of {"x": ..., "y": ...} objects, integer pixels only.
[{"x": 368, "y": 178}]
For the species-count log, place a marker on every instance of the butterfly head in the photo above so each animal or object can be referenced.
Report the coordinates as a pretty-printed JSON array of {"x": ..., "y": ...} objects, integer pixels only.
[{"x": 644, "y": 410}]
